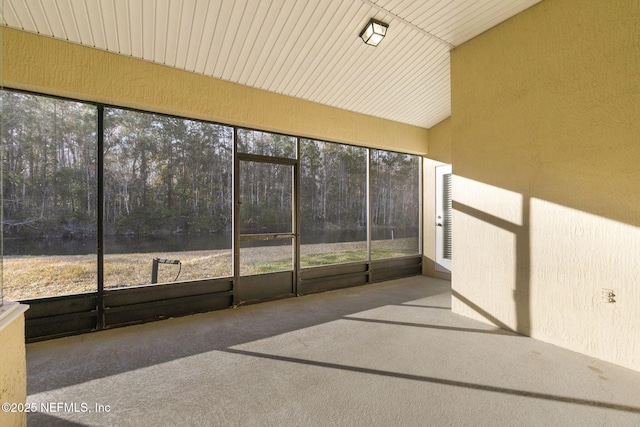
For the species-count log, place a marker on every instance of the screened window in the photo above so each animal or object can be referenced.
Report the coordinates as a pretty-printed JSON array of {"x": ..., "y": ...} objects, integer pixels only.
[
  {"x": 167, "y": 196},
  {"x": 395, "y": 204},
  {"x": 266, "y": 210},
  {"x": 333, "y": 205},
  {"x": 49, "y": 196},
  {"x": 168, "y": 199},
  {"x": 266, "y": 198},
  {"x": 266, "y": 144}
]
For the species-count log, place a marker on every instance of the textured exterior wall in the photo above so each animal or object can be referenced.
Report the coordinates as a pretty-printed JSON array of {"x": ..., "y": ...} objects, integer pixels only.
[
  {"x": 439, "y": 154},
  {"x": 55, "y": 67},
  {"x": 13, "y": 367},
  {"x": 440, "y": 141},
  {"x": 545, "y": 154}
]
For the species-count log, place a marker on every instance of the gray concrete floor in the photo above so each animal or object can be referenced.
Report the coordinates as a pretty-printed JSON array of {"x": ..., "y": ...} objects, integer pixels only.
[{"x": 387, "y": 354}]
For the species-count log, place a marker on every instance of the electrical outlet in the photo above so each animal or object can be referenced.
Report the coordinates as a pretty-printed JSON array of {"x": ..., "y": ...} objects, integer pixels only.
[{"x": 608, "y": 296}]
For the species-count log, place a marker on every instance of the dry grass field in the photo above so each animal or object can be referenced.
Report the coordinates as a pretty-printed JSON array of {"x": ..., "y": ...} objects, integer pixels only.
[{"x": 40, "y": 276}]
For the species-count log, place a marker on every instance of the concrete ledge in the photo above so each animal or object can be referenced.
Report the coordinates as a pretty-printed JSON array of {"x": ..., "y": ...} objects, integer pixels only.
[{"x": 10, "y": 311}]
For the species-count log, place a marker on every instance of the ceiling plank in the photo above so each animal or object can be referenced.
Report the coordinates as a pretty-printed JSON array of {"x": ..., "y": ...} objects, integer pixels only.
[
  {"x": 121, "y": 19},
  {"x": 82, "y": 23},
  {"x": 208, "y": 31},
  {"x": 308, "y": 49},
  {"x": 96, "y": 25},
  {"x": 221, "y": 25},
  {"x": 24, "y": 16},
  {"x": 257, "y": 40},
  {"x": 110, "y": 25},
  {"x": 201, "y": 11}
]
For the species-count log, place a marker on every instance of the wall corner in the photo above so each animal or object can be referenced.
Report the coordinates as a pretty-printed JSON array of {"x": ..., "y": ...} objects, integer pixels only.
[{"x": 13, "y": 363}]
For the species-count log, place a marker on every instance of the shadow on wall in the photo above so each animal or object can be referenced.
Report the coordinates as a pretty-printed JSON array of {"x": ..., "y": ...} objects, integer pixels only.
[
  {"x": 521, "y": 294},
  {"x": 544, "y": 151},
  {"x": 541, "y": 268}
]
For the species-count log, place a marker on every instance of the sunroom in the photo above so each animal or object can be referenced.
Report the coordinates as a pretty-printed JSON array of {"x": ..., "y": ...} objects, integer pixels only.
[{"x": 193, "y": 156}]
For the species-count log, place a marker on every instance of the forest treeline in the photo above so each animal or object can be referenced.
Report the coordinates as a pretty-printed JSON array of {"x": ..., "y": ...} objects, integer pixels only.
[
  {"x": 49, "y": 167},
  {"x": 167, "y": 175}
]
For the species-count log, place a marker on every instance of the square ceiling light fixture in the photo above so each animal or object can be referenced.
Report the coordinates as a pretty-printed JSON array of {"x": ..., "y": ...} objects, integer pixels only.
[{"x": 374, "y": 32}]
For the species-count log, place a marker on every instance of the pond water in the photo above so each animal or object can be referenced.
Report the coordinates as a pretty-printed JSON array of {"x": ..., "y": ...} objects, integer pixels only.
[{"x": 176, "y": 243}]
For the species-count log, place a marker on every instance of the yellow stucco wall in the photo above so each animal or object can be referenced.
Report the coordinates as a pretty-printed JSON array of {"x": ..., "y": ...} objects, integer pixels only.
[
  {"x": 46, "y": 65},
  {"x": 440, "y": 142},
  {"x": 13, "y": 369},
  {"x": 545, "y": 154}
]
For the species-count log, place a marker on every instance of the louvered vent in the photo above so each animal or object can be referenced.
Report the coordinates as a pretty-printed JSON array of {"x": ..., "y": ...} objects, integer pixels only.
[{"x": 447, "y": 208}]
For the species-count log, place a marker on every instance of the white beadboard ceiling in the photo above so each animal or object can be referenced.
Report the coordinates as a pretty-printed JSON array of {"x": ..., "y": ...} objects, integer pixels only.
[{"x": 307, "y": 49}]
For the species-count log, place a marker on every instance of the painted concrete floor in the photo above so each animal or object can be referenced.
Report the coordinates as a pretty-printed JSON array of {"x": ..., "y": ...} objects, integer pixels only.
[{"x": 387, "y": 354}]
